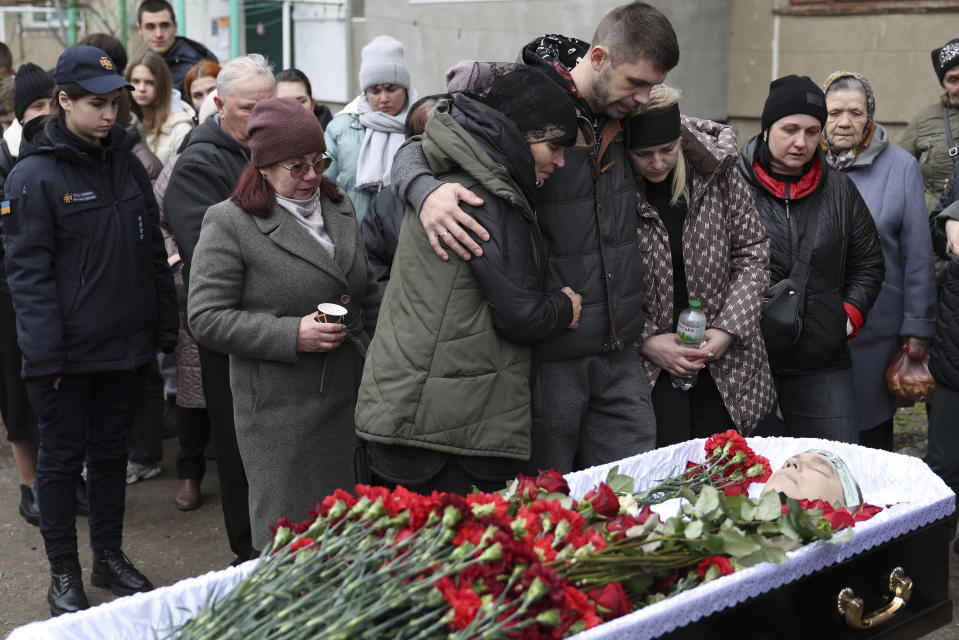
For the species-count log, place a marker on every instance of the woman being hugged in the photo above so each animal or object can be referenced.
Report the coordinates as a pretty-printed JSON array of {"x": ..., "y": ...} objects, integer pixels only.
[
  {"x": 818, "y": 224},
  {"x": 286, "y": 240},
  {"x": 94, "y": 301},
  {"x": 445, "y": 399},
  {"x": 701, "y": 239},
  {"x": 164, "y": 119},
  {"x": 890, "y": 182}
]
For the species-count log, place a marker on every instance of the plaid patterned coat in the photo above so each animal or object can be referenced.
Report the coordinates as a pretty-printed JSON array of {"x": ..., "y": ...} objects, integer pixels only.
[{"x": 726, "y": 255}]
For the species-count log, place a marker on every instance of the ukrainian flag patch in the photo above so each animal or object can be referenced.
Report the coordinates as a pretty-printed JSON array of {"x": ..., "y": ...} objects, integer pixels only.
[{"x": 8, "y": 210}]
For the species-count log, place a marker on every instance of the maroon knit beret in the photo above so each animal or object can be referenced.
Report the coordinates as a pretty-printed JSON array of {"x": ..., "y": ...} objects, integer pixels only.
[{"x": 281, "y": 129}]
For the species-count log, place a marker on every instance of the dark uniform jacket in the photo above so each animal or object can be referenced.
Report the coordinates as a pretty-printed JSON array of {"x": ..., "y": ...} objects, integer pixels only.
[
  {"x": 85, "y": 259},
  {"x": 847, "y": 264},
  {"x": 381, "y": 233}
]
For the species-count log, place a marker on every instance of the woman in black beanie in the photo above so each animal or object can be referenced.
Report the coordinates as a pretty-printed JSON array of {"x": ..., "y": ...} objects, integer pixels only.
[{"x": 824, "y": 248}]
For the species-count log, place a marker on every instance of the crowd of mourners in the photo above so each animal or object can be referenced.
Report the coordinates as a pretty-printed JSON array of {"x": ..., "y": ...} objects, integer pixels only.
[{"x": 444, "y": 291}]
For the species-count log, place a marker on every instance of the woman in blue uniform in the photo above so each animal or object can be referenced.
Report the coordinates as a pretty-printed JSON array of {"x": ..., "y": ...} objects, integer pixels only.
[{"x": 94, "y": 301}]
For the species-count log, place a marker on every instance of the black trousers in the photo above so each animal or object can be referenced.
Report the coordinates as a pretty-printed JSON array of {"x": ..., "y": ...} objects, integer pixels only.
[
  {"x": 234, "y": 489},
  {"x": 683, "y": 415},
  {"x": 194, "y": 435},
  {"x": 15, "y": 409},
  {"x": 89, "y": 416},
  {"x": 146, "y": 440}
]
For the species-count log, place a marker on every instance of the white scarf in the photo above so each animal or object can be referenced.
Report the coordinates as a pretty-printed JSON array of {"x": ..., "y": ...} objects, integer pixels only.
[
  {"x": 384, "y": 135},
  {"x": 308, "y": 214}
]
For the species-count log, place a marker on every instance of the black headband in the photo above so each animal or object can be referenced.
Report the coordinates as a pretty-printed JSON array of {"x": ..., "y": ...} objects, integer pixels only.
[{"x": 653, "y": 127}]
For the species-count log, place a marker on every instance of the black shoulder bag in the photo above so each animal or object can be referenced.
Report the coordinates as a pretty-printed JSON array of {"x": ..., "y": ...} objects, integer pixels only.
[{"x": 784, "y": 302}]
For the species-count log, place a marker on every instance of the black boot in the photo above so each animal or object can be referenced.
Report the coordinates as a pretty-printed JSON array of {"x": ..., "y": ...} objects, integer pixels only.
[
  {"x": 66, "y": 585},
  {"x": 29, "y": 507},
  {"x": 113, "y": 570}
]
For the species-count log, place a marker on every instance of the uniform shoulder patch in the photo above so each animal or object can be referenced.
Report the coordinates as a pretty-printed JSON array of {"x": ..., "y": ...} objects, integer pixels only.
[{"x": 9, "y": 217}]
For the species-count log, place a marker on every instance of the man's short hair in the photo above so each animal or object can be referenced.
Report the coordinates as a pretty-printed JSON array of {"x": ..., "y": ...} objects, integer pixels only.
[
  {"x": 154, "y": 6},
  {"x": 241, "y": 68},
  {"x": 6, "y": 60},
  {"x": 638, "y": 31}
]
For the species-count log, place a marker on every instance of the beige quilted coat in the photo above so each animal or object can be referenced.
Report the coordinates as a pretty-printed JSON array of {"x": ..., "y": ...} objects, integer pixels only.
[{"x": 726, "y": 255}]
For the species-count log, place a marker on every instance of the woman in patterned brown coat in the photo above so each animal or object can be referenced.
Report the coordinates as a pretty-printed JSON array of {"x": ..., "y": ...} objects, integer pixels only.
[{"x": 701, "y": 239}]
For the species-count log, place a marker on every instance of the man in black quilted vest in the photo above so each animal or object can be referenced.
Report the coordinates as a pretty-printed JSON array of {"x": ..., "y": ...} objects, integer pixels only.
[{"x": 590, "y": 396}]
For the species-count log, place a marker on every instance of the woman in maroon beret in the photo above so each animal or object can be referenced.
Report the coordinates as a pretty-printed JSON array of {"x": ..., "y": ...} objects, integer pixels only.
[{"x": 286, "y": 241}]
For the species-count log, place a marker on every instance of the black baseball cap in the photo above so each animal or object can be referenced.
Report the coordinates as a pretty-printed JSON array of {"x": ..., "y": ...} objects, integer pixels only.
[{"x": 91, "y": 68}]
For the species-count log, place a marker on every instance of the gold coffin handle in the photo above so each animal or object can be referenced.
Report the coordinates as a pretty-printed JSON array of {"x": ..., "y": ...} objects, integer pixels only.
[{"x": 851, "y": 608}]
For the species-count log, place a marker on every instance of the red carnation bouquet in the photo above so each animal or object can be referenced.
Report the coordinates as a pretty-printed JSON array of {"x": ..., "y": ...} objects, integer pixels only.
[{"x": 530, "y": 562}]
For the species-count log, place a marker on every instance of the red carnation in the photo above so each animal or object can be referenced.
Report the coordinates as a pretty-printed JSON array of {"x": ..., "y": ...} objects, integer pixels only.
[
  {"x": 720, "y": 562},
  {"x": 301, "y": 543},
  {"x": 611, "y": 601},
  {"x": 577, "y": 601},
  {"x": 603, "y": 500},
  {"x": 464, "y": 601},
  {"x": 865, "y": 511},
  {"x": 731, "y": 436},
  {"x": 839, "y": 519},
  {"x": 526, "y": 487},
  {"x": 552, "y": 481},
  {"x": 619, "y": 525}
]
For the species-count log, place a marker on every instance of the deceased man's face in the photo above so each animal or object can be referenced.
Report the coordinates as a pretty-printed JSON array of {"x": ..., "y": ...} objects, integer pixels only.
[{"x": 810, "y": 476}]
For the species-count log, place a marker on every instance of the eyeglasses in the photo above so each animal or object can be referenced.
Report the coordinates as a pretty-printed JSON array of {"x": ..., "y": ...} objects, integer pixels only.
[{"x": 299, "y": 169}]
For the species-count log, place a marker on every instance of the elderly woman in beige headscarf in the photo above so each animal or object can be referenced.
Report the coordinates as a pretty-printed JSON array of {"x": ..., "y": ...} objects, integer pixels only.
[{"x": 889, "y": 180}]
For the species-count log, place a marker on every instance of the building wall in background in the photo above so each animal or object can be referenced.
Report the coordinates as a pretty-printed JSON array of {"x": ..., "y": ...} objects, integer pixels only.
[{"x": 891, "y": 49}]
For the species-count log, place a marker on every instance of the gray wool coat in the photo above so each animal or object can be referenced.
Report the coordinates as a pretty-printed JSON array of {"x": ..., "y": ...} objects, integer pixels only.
[
  {"x": 890, "y": 182},
  {"x": 252, "y": 280}
]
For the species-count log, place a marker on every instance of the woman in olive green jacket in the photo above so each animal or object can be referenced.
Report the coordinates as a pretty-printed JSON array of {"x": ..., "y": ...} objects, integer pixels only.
[{"x": 445, "y": 398}]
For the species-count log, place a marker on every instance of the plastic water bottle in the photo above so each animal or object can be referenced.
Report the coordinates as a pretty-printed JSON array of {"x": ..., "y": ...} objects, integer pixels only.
[{"x": 691, "y": 329}]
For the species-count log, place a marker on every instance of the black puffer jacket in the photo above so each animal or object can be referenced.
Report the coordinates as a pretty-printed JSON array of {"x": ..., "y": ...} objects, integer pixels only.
[
  {"x": 85, "y": 258},
  {"x": 381, "y": 233},
  {"x": 847, "y": 264},
  {"x": 183, "y": 54},
  {"x": 588, "y": 215},
  {"x": 944, "y": 361},
  {"x": 204, "y": 175}
]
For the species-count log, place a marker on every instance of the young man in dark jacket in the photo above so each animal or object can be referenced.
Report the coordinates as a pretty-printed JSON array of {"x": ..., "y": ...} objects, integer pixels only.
[
  {"x": 204, "y": 175},
  {"x": 156, "y": 24},
  {"x": 590, "y": 395}
]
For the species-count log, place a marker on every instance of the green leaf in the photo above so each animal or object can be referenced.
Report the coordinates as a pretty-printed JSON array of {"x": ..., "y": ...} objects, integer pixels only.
[
  {"x": 770, "y": 507},
  {"x": 708, "y": 501},
  {"x": 619, "y": 482},
  {"x": 769, "y": 529},
  {"x": 739, "y": 507},
  {"x": 788, "y": 529},
  {"x": 694, "y": 529},
  {"x": 713, "y": 544},
  {"x": 639, "y": 583},
  {"x": 736, "y": 544},
  {"x": 765, "y": 554}
]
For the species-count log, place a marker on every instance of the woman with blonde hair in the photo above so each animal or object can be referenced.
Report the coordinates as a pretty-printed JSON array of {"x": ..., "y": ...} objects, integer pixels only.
[
  {"x": 701, "y": 239},
  {"x": 164, "y": 119}
]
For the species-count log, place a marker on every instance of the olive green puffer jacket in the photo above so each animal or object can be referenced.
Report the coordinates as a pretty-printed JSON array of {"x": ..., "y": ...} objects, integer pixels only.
[{"x": 449, "y": 365}]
